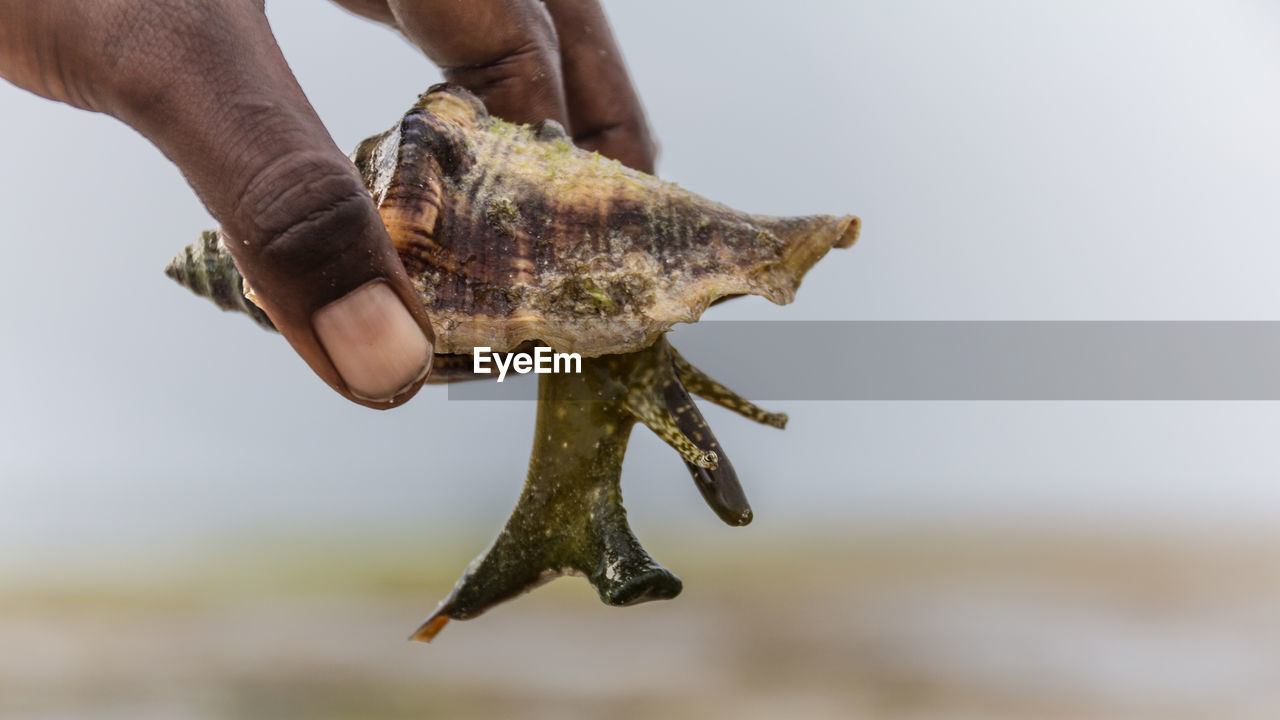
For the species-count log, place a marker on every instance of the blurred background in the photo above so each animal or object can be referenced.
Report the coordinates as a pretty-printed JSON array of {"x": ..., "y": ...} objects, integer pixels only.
[{"x": 193, "y": 526}]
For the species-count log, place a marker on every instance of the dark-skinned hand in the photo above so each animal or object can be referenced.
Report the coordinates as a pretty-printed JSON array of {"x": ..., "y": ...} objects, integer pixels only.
[{"x": 206, "y": 83}]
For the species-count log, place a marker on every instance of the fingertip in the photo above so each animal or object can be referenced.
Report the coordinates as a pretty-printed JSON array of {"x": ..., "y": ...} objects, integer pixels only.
[{"x": 375, "y": 344}]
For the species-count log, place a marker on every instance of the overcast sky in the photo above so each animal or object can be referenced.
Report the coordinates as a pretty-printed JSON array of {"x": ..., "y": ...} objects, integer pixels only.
[{"x": 1010, "y": 160}]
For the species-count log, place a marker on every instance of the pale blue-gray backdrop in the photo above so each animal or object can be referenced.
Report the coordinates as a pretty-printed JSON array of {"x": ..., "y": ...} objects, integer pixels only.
[{"x": 1011, "y": 160}]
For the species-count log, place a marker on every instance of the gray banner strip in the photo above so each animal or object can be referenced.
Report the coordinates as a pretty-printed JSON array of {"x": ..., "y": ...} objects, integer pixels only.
[{"x": 963, "y": 360}]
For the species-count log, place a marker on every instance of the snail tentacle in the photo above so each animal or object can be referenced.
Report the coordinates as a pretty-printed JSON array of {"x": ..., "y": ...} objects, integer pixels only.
[{"x": 706, "y": 387}]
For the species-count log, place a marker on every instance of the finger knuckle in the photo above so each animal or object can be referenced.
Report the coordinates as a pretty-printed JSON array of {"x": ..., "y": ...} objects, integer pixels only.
[
  {"x": 527, "y": 62},
  {"x": 304, "y": 213}
]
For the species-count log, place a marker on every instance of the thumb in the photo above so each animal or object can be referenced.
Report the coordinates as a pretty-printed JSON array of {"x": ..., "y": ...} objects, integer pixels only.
[
  {"x": 208, "y": 85},
  {"x": 312, "y": 246}
]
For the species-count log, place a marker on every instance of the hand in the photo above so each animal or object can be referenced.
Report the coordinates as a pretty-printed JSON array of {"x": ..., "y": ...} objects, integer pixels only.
[{"x": 205, "y": 82}]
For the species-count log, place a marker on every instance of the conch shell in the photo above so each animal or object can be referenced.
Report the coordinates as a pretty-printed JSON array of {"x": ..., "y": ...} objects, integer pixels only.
[
  {"x": 512, "y": 234},
  {"x": 514, "y": 237}
]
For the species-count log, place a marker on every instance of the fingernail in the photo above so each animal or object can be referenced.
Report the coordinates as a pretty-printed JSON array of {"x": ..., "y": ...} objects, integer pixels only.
[{"x": 374, "y": 342}]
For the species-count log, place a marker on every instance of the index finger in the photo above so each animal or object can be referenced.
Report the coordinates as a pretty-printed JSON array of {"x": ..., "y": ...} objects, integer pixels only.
[
  {"x": 504, "y": 51},
  {"x": 604, "y": 110},
  {"x": 528, "y": 61}
]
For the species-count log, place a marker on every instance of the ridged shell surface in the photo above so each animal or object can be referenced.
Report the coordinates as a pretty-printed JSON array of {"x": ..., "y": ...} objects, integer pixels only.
[{"x": 513, "y": 234}]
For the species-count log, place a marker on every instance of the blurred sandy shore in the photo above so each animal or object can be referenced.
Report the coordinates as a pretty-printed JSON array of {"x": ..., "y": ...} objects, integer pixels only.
[{"x": 879, "y": 625}]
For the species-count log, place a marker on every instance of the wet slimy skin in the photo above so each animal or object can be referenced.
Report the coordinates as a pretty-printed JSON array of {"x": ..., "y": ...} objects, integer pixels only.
[{"x": 570, "y": 519}]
